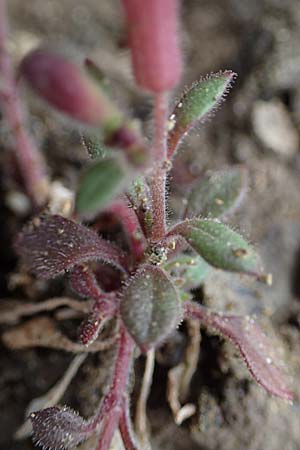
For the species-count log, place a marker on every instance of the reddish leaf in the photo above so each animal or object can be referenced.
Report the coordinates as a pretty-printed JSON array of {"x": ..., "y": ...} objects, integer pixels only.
[
  {"x": 84, "y": 283},
  {"x": 103, "y": 310},
  {"x": 256, "y": 349},
  {"x": 53, "y": 244},
  {"x": 58, "y": 428}
]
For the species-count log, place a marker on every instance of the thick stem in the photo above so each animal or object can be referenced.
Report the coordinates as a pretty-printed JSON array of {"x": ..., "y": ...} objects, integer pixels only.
[
  {"x": 29, "y": 160},
  {"x": 158, "y": 175}
]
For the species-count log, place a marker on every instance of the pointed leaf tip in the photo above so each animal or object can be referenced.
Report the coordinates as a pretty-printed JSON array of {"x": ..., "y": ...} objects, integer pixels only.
[
  {"x": 150, "y": 307},
  {"x": 220, "y": 246},
  {"x": 195, "y": 105},
  {"x": 257, "y": 350}
]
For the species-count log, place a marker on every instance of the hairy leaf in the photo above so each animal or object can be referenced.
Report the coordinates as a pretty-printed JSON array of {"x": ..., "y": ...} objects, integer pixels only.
[
  {"x": 103, "y": 310},
  {"x": 100, "y": 183},
  {"x": 256, "y": 349},
  {"x": 58, "y": 428},
  {"x": 196, "y": 104},
  {"x": 218, "y": 193},
  {"x": 52, "y": 244},
  {"x": 150, "y": 307},
  {"x": 220, "y": 246},
  {"x": 84, "y": 283},
  {"x": 188, "y": 271},
  {"x": 140, "y": 198}
]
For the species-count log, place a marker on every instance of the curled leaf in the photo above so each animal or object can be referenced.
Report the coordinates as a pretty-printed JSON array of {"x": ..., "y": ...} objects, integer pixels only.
[
  {"x": 99, "y": 184},
  {"x": 84, "y": 283},
  {"x": 220, "y": 246},
  {"x": 150, "y": 307},
  {"x": 195, "y": 104},
  {"x": 103, "y": 310},
  {"x": 218, "y": 193},
  {"x": 58, "y": 428},
  {"x": 51, "y": 245},
  {"x": 254, "y": 346}
]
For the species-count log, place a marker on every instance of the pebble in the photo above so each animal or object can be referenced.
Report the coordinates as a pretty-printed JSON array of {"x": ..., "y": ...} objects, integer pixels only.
[{"x": 273, "y": 126}]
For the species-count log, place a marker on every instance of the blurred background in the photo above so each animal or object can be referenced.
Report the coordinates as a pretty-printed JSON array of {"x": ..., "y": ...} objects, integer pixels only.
[{"x": 257, "y": 126}]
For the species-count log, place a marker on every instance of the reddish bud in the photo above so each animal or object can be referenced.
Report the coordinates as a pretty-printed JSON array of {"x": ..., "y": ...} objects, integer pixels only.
[
  {"x": 153, "y": 40},
  {"x": 69, "y": 89}
]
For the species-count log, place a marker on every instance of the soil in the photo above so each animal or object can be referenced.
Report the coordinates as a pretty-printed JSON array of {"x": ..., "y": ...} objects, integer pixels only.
[{"x": 257, "y": 126}]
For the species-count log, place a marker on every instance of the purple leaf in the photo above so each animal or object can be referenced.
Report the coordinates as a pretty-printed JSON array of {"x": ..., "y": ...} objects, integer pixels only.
[
  {"x": 103, "y": 310},
  {"x": 51, "y": 245},
  {"x": 255, "y": 347},
  {"x": 58, "y": 428}
]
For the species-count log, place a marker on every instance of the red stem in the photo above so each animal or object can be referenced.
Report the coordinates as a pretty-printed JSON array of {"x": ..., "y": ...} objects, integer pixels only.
[
  {"x": 112, "y": 404},
  {"x": 125, "y": 428},
  {"x": 29, "y": 160},
  {"x": 158, "y": 176},
  {"x": 131, "y": 225}
]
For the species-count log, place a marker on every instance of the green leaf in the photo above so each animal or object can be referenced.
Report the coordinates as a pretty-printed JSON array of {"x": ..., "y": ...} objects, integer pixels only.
[
  {"x": 140, "y": 198},
  {"x": 220, "y": 246},
  {"x": 218, "y": 193},
  {"x": 94, "y": 146},
  {"x": 150, "y": 307},
  {"x": 188, "y": 271},
  {"x": 195, "y": 105},
  {"x": 99, "y": 184}
]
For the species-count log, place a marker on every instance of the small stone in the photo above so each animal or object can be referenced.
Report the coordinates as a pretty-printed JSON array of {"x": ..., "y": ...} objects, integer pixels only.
[{"x": 272, "y": 124}]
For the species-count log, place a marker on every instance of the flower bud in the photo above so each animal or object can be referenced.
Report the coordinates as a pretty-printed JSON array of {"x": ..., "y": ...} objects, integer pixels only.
[
  {"x": 153, "y": 40},
  {"x": 69, "y": 89}
]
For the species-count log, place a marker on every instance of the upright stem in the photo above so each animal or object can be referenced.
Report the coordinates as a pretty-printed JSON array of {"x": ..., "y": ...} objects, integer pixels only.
[
  {"x": 158, "y": 175},
  {"x": 29, "y": 160},
  {"x": 112, "y": 404}
]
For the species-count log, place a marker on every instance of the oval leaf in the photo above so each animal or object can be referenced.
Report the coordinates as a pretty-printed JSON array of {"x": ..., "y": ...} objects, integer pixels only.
[
  {"x": 70, "y": 90},
  {"x": 100, "y": 184},
  {"x": 220, "y": 246},
  {"x": 218, "y": 193},
  {"x": 195, "y": 104},
  {"x": 150, "y": 307}
]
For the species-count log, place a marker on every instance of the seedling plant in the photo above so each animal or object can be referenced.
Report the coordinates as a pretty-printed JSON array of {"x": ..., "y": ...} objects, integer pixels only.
[{"x": 154, "y": 264}]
